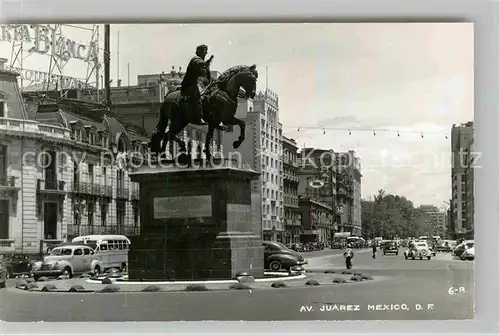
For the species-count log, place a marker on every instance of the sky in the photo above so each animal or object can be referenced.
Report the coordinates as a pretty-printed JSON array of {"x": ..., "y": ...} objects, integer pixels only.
[{"x": 375, "y": 79}]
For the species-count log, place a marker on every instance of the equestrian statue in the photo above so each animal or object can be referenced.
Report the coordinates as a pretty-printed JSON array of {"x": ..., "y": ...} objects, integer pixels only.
[{"x": 203, "y": 101}]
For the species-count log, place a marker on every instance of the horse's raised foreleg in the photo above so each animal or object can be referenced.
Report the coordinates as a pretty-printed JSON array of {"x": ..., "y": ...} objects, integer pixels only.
[{"x": 241, "y": 138}]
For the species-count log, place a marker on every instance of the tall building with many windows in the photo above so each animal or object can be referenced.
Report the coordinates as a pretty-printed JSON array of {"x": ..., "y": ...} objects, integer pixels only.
[
  {"x": 436, "y": 220},
  {"x": 318, "y": 186},
  {"x": 290, "y": 188},
  {"x": 262, "y": 150},
  {"x": 462, "y": 180},
  {"x": 349, "y": 192}
]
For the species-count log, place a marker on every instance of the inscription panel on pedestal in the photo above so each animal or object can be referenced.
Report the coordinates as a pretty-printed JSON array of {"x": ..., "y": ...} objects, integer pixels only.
[{"x": 183, "y": 207}]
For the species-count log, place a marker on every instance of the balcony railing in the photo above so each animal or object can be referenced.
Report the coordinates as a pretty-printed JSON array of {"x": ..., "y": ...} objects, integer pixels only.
[
  {"x": 92, "y": 188},
  {"x": 50, "y": 185},
  {"x": 122, "y": 192},
  {"x": 80, "y": 230},
  {"x": 7, "y": 243},
  {"x": 7, "y": 181}
]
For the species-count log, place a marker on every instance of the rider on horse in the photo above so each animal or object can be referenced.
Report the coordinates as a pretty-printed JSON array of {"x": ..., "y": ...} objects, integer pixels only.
[{"x": 195, "y": 81}]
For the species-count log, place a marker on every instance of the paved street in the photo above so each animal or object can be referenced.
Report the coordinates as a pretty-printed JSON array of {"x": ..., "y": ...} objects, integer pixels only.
[{"x": 397, "y": 281}]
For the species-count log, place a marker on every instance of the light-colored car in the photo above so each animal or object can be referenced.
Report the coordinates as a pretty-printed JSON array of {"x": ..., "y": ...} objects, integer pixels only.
[
  {"x": 68, "y": 260},
  {"x": 459, "y": 249},
  {"x": 468, "y": 254},
  {"x": 418, "y": 249},
  {"x": 3, "y": 274}
]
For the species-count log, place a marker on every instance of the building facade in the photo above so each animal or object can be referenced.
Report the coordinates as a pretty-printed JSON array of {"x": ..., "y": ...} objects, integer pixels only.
[
  {"x": 262, "y": 150},
  {"x": 318, "y": 183},
  {"x": 437, "y": 220},
  {"x": 316, "y": 220},
  {"x": 462, "y": 180},
  {"x": 291, "y": 187},
  {"x": 349, "y": 192},
  {"x": 59, "y": 176}
]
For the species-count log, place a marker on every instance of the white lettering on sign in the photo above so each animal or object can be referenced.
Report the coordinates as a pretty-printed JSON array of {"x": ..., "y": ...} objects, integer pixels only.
[
  {"x": 47, "y": 40},
  {"x": 43, "y": 77}
]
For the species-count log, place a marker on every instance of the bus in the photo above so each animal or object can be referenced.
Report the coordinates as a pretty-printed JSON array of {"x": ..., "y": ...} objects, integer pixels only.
[{"x": 111, "y": 249}]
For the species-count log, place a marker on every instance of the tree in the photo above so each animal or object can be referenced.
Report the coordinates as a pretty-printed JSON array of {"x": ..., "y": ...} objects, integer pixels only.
[{"x": 389, "y": 215}]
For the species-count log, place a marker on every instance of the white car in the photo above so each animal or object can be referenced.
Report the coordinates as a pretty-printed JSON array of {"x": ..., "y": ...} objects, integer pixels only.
[
  {"x": 418, "y": 249},
  {"x": 468, "y": 254},
  {"x": 459, "y": 249},
  {"x": 68, "y": 260}
]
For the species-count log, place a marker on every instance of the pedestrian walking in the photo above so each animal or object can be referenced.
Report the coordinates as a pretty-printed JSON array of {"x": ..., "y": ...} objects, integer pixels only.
[{"x": 374, "y": 250}]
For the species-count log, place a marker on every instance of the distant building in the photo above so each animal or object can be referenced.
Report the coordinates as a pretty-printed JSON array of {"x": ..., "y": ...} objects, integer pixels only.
[
  {"x": 315, "y": 217},
  {"x": 318, "y": 183},
  {"x": 349, "y": 192},
  {"x": 462, "y": 180},
  {"x": 437, "y": 220},
  {"x": 290, "y": 185}
]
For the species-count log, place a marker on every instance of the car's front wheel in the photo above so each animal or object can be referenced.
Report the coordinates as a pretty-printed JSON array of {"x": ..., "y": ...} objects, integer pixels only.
[
  {"x": 275, "y": 266},
  {"x": 67, "y": 272}
]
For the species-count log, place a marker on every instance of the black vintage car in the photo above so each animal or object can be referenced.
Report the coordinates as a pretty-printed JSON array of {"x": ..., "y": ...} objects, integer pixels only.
[
  {"x": 17, "y": 264},
  {"x": 391, "y": 247},
  {"x": 278, "y": 257}
]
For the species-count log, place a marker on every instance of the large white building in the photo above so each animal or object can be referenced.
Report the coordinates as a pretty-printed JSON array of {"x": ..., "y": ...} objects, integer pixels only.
[
  {"x": 262, "y": 150},
  {"x": 59, "y": 176}
]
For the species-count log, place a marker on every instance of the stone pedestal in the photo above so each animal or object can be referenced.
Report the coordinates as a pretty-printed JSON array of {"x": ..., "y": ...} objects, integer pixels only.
[{"x": 196, "y": 223}]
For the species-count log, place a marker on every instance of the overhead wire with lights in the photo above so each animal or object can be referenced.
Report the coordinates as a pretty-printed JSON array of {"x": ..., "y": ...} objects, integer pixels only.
[{"x": 349, "y": 131}]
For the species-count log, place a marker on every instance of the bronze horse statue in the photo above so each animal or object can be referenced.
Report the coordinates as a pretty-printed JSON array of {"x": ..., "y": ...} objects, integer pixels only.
[{"x": 219, "y": 100}]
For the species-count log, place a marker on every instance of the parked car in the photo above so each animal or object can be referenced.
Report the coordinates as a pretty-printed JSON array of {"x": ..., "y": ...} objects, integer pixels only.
[
  {"x": 459, "y": 249},
  {"x": 468, "y": 255},
  {"x": 17, "y": 264},
  {"x": 391, "y": 247},
  {"x": 3, "y": 275},
  {"x": 277, "y": 256},
  {"x": 68, "y": 260},
  {"x": 418, "y": 249}
]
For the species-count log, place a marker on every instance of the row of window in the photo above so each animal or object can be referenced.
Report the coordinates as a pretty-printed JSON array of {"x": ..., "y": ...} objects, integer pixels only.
[{"x": 120, "y": 214}]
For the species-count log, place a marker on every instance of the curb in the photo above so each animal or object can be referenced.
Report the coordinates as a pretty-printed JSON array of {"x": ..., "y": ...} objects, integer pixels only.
[{"x": 230, "y": 281}]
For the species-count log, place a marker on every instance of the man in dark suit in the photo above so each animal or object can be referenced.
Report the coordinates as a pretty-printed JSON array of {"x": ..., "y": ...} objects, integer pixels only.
[{"x": 195, "y": 80}]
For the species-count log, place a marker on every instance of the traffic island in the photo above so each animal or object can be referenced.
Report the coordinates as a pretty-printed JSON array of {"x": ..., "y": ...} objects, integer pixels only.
[{"x": 241, "y": 283}]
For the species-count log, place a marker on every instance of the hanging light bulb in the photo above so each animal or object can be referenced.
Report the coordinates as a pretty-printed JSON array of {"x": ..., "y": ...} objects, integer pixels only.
[{"x": 349, "y": 131}]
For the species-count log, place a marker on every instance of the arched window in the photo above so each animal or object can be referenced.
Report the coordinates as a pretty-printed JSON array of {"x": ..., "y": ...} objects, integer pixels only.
[{"x": 121, "y": 145}]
